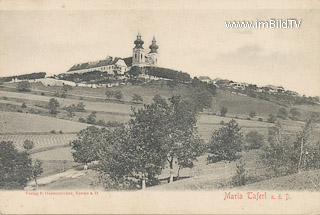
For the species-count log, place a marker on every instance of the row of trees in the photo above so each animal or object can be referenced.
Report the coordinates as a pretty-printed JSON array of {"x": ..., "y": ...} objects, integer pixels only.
[{"x": 30, "y": 76}]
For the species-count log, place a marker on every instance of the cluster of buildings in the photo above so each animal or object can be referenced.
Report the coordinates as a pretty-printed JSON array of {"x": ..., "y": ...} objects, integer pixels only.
[
  {"x": 118, "y": 66},
  {"x": 242, "y": 86}
]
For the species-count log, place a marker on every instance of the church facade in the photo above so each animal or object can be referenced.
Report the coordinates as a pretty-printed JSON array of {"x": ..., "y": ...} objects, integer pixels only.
[{"x": 118, "y": 66}]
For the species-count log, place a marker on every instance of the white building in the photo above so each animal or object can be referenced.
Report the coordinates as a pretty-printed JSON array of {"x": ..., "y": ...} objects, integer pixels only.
[{"x": 118, "y": 66}]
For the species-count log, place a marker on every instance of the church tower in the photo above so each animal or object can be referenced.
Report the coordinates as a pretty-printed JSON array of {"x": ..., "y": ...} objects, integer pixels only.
[
  {"x": 153, "y": 54},
  {"x": 139, "y": 54}
]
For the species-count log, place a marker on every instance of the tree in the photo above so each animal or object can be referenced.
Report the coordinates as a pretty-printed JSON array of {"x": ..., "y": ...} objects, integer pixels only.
[
  {"x": 80, "y": 107},
  {"x": 70, "y": 112},
  {"x": 36, "y": 170},
  {"x": 183, "y": 143},
  {"x": 134, "y": 71},
  {"x": 15, "y": 167},
  {"x": 137, "y": 98},
  {"x": 24, "y": 105},
  {"x": 148, "y": 131},
  {"x": 118, "y": 163},
  {"x": 66, "y": 88},
  {"x": 225, "y": 143},
  {"x": 86, "y": 145},
  {"x": 254, "y": 140},
  {"x": 24, "y": 86},
  {"x": 92, "y": 118},
  {"x": 278, "y": 154},
  {"x": 252, "y": 114},
  {"x": 271, "y": 118},
  {"x": 28, "y": 145},
  {"x": 118, "y": 95},
  {"x": 109, "y": 94},
  {"x": 300, "y": 144},
  {"x": 295, "y": 113},
  {"x": 283, "y": 113},
  {"x": 223, "y": 111},
  {"x": 53, "y": 105}
]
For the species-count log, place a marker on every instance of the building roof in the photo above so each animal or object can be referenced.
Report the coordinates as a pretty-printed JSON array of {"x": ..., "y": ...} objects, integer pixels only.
[
  {"x": 88, "y": 65},
  {"x": 128, "y": 61}
]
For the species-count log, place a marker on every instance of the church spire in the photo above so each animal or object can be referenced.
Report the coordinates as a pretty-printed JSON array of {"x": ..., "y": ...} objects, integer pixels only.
[
  {"x": 153, "y": 47},
  {"x": 139, "y": 42}
]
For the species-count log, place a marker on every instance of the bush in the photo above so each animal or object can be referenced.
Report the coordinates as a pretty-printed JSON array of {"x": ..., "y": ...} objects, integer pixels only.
[
  {"x": 43, "y": 94},
  {"x": 23, "y": 105},
  {"x": 60, "y": 132},
  {"x": 223, "y": 111},
  {"x": 221, "y": 122},
  {"x": 118, "y": 95},
  {"x": 240, "y": 178},
  {"x": 225, "y": 143},
  {"x": 283, "y": 113},
  {"x": 82, "y": 120},
  {"x": 53, "y": 105},
  {"x": 24, "y": 86},
  {"x": 101, "y": 123},
  {"x": 137, "y": 98},
  {"x": 252, "y": 114},
  {"x": 260, "y": 119},
  {"x": 5, "y": 98},
  {"x": 114, "y": 124},
  {"x": 53, "y": 132},
  {"x": 253, "y": 140},
  {"x": 92, "y": 118},
  {"x": 272, "y": 118},
  {"x": 248, "y": 118}
]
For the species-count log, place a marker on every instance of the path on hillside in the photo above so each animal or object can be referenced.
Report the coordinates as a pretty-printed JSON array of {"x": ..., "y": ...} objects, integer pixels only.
[{"x": 71, "y": 173}]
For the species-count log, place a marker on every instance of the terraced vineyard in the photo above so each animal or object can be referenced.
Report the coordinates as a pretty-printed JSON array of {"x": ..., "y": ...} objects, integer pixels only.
[{"x": 40, "y": 140}]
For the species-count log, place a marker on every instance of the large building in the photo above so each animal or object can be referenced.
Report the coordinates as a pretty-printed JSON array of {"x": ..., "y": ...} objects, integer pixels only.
[{"x": 119, "y": 66}]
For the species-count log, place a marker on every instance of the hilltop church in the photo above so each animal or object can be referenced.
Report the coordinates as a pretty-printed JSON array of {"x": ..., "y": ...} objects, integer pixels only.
[{"x": 118, "y": 65}]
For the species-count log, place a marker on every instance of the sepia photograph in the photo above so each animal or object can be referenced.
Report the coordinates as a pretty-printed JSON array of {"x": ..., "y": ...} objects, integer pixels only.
[{"x": 159, "y": 107}]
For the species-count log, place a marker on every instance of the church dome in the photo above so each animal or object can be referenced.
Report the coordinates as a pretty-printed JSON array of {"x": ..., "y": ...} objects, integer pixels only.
[
  {"x": 138, "y": 42},
  {"x": 153, "y": 47}
]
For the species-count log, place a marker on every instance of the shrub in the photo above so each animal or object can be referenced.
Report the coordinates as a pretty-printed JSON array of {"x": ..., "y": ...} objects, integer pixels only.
[
  {"x": 272, "y": 118},
  {"x": 118, "y": 95},
  {"x": 252, "y": 114},
  {"x": 221, "y": 122},
  {"x": 248, "y": 118},
  {"x": 28, "y": 145},
  {"x": 5, "y": 98},
  {"x": 53, "y": 105},
  {"x": 223, "y": 111},
  {"x": 260, "y": 119},
  {"x": 254, "y": 140},
  {"x": 225, "y": 143},
  {"x": 53, "y": 132},
  {"x": 43, "y": 94},
  {"x": 60, "y": 132},
  {"x": 283, "y": 113},
  {"x": 92, "y": 118},
  {"x": 23, "y": 105},
  {"x": 24, "y": 86},
  {"x": 82, "y": 120},
  {"x": 114, "y": 124},
  {"x": 240, "y": 179},
  {"x": 101, "y": 123},
  {"x": 137, "y": 98}
]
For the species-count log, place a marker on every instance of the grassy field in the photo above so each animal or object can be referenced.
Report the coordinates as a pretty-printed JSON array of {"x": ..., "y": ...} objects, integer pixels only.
[
  {"x": 16, "y": 123},
  {"x": 42, "y": 141}
]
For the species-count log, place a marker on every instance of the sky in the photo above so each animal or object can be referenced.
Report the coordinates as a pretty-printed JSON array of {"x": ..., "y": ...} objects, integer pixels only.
[{"x": 193, "y": 40}]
